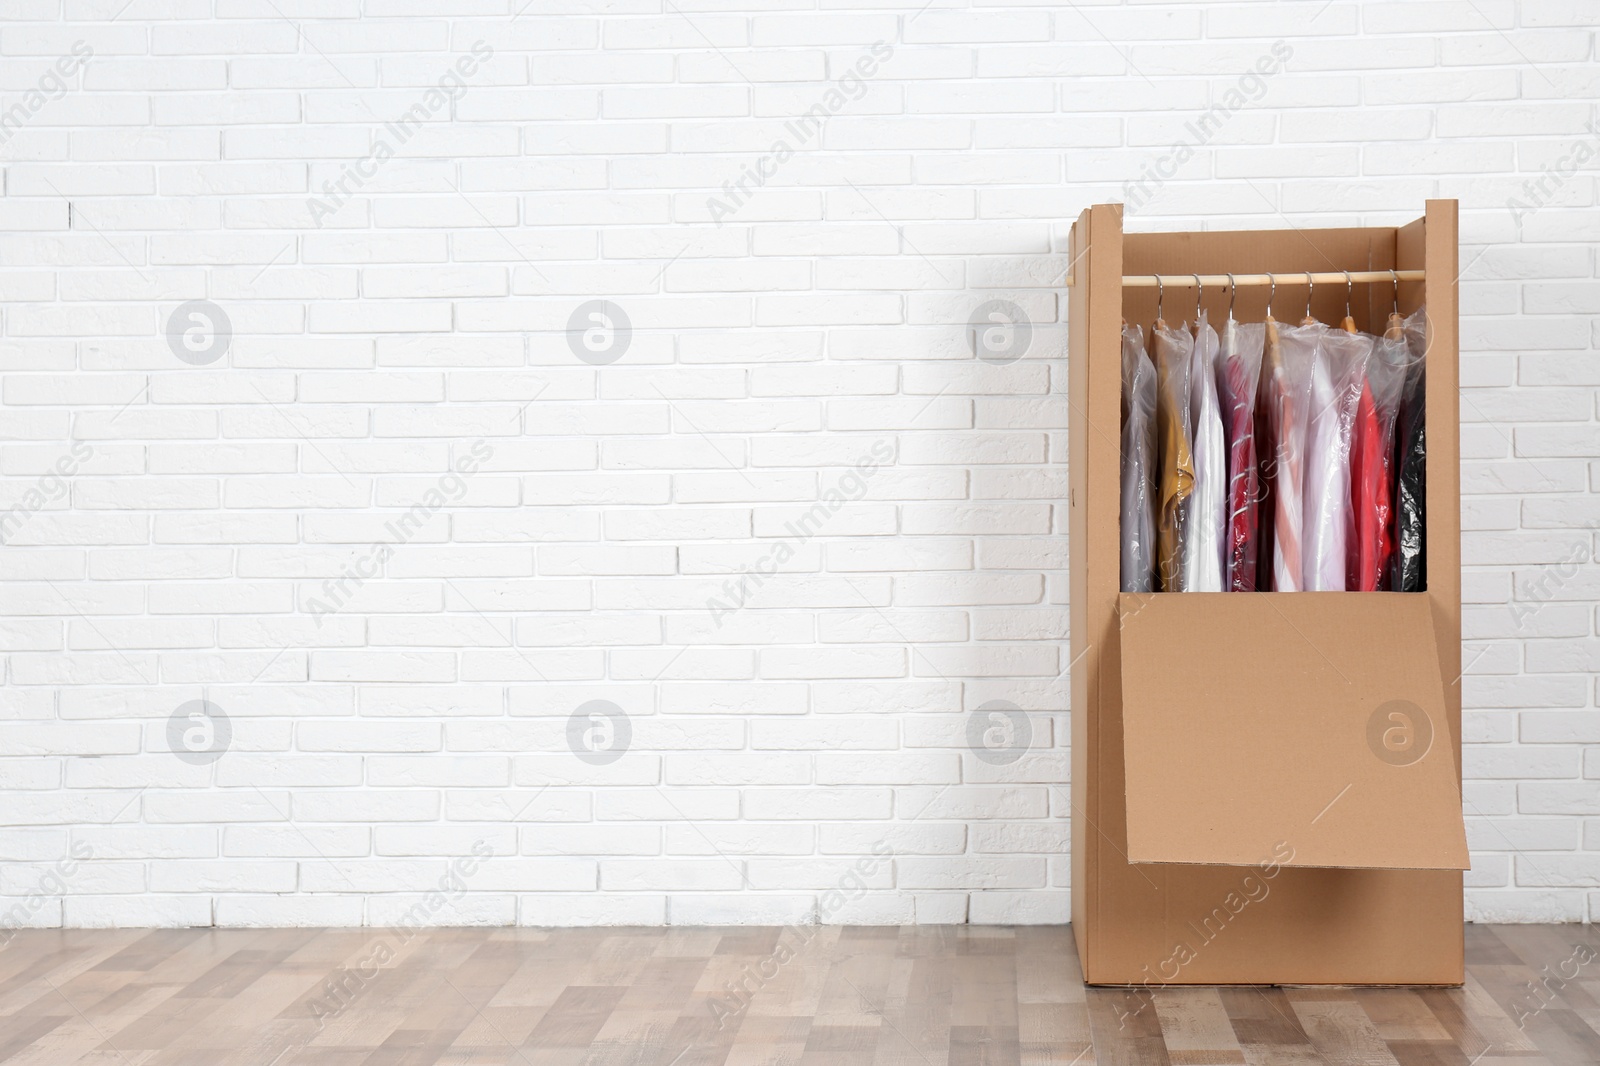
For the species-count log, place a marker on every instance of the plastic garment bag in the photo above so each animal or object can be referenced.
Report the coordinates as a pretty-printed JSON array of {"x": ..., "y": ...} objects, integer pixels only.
[
  {"x": 1336, "y": 376},
  {"x": 1286, "y": 384},
  {"x": 1138, "y": 464},
  {"x": 1410, "y": 568},
  {"x": 1266, "y": 457},
  {"x": 1372, "y": 462},
  {"x": 1238, "y": 375},
  {"x": 1172, "y": 349},
  {"x": 1202, "y": 560}
]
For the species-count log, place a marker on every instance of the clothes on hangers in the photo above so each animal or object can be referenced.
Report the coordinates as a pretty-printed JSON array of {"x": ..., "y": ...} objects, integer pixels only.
[
  {"x": 1173, "y": 349},
  {"x": 1372, "y": 462},
  {"x": 1293, "y": 349},
  {"x": 1238, "y": 375},
  {"x": 1203, "y": 554},
  {"x": 1138, "y": 464},
  {"x": 1338, "y": 367},
  {"x": 1273, "y": 457},
  {"x": 1410, "y": 569},
  {"x": 1266, "y": 459}
]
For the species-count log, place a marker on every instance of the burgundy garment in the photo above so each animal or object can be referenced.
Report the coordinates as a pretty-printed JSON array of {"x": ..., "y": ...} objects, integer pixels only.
[
  {"x": 1244, "y": 491},
  {"x": 1266, "y": 466}
]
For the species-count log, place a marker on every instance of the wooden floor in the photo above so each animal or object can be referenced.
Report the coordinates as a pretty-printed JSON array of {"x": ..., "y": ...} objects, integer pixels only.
[{"x": 838, "y": 996}]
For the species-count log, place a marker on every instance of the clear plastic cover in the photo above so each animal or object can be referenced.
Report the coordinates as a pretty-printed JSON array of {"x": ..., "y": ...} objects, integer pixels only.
[
  {"x": 1173, "y": 349},
  {"x": 1203, "y": 555},
  {"x": 1336, "y": 376},
  {"x": 1372, "y": 462},
  {"x": 1266, "y": 463},
  {"x": 1289, "y": 354},
  {"x": 1138, "y": 464},
  {"x": 1274, "y": 458},
  {"x": 1410, "y": 567},
  {"x": 1238, "y": 378}
]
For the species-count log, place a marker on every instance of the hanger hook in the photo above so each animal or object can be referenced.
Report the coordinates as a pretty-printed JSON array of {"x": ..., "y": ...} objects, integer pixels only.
[
  {"x": 1272, "y": 292},
  {"x": 1311, "y": 287},
  {"x": 1160, "y": 294},
  {"x": 1349, "y": 289},
  {"x": 1199, "y": 294},
  {"x": 1396, "y": 278},
  {"x": 1233, "y": 292}
]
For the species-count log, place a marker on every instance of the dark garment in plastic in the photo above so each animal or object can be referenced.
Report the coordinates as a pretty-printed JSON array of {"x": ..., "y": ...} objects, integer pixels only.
[
  {"x": 1411, "y": 494},
  {"x": 1244, "y": 491}
]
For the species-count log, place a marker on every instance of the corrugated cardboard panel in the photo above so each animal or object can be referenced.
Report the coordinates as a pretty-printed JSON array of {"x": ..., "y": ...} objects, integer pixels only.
[{"x": 1315, "y": 720}]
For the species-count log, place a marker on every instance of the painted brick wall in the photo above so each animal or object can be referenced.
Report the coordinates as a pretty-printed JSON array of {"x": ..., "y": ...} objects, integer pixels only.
[{"x": 537, "y": 448}]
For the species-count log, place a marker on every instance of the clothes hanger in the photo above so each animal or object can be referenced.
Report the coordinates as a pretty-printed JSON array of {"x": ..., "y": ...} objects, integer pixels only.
[
  {"x": 1349, "y": 323},
  {"x": 1397, "y": 324},
  {"x": 1160, "y": 296},
  {"x": 1233, "y": 293},
  {"x": 1311, "y": 287},
  {"x": 1199, "y": 295}
]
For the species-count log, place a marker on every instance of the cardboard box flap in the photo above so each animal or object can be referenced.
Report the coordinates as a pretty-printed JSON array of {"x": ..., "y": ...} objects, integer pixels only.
[{"x": 1311, "y": 720}]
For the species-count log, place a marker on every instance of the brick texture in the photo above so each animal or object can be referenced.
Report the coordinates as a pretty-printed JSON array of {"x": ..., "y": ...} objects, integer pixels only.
[{"x": 551, "y": 433}]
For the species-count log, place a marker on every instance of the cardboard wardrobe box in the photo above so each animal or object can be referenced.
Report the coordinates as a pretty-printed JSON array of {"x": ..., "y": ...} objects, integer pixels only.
[{"x": 1239, "y": 814}]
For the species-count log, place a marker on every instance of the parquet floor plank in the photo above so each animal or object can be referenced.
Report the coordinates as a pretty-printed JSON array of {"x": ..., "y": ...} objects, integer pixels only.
[{"x": 834, "y": 996}]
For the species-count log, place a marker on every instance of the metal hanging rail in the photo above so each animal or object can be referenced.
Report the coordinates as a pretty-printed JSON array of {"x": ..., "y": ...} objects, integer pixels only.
[{"x": 1288, "y": 278}]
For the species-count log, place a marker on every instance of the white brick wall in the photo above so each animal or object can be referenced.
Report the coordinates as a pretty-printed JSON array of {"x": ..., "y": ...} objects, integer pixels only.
[{"x": 232, "y": 527}]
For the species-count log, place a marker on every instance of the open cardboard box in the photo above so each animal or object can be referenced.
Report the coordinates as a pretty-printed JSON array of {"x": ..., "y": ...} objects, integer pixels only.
[{"x": 1266, "y": 786}]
